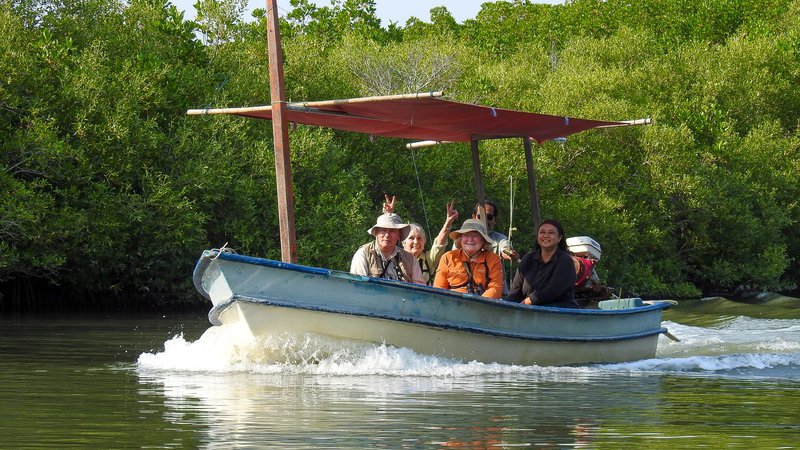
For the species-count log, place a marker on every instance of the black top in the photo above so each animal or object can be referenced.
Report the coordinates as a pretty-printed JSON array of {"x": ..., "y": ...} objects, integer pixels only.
[{"x": 546, "y": 284}]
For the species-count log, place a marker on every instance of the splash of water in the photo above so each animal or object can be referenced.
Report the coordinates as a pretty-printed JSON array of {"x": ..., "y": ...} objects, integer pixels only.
[
  {"x": 230, "y": 349},
  {"x": 734, "y": 347}
]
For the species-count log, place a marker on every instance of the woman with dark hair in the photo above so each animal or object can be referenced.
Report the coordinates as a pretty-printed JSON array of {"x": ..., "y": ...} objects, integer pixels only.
[{"x": 546, "y": 276}]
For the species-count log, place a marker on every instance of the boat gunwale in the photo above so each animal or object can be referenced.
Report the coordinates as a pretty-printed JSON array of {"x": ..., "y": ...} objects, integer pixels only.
[{"x": 209, "y": 255}]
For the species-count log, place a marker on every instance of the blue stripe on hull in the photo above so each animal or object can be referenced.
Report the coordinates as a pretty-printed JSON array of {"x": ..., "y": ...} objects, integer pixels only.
[
  {"x": 430, "y": 320},
  {"x": 216, "y": 311}
]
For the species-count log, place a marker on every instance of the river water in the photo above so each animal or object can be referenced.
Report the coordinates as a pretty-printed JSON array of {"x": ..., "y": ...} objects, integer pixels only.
[{"x": 733, "y": 381}]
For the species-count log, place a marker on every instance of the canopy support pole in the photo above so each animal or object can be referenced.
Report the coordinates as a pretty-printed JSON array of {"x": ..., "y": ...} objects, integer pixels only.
[
  {"x": 534, "y": 191},
  {"x": 280, "y": 134},
  {"x": 476, "y": 171}
]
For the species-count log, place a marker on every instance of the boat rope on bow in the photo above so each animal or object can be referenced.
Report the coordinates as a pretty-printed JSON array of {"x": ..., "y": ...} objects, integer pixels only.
[
  {"x": 223, "y": 249},
  {"x": 220, "y": 250}
]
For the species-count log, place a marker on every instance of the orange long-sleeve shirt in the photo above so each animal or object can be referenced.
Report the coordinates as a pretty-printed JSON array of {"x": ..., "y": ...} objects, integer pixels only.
[{"x": 453, "y": 275}]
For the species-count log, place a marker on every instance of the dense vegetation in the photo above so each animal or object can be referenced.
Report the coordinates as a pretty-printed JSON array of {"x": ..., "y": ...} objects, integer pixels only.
[{"x": 109, "y": 191}]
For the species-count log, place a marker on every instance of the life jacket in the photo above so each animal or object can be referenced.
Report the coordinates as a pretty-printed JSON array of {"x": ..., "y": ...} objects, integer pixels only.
[
  {"x": 583, "y": 269},
  {"x": 402, "y": 260}
]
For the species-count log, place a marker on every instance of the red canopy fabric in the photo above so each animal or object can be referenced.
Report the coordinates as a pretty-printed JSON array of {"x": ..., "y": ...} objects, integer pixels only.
[{"x": 425, "y": 118}]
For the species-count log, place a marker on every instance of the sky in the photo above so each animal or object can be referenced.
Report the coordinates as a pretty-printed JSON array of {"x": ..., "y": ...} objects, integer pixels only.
[{"x": 387, "y": 10}]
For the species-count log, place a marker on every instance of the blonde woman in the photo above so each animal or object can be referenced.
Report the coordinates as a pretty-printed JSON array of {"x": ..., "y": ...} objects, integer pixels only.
[
  {"x": 416, "y": 239},
  {"x": 415, "y": 244},
  {"x": 473, "y": 267}
]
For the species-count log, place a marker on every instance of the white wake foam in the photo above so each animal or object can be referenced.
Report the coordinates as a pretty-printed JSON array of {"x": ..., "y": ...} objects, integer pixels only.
[
  {"x": 742, "y": 343},
  {"x": 228, "y": 349}
]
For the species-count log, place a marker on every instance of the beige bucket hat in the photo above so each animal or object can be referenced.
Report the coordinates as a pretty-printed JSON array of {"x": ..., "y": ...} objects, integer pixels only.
[
  {"x": 391, "y": 221},
  {"x": 472, "y": 225}
]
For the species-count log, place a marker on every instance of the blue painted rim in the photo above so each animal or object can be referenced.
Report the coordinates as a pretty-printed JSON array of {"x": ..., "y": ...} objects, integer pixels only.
[{"x": 209, "y": 254}]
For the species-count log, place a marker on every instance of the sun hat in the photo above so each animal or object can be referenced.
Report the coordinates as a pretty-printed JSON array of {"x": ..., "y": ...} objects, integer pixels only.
[
  {"x": 472, "y": 225},
  {"x": 391, "y": 221}
]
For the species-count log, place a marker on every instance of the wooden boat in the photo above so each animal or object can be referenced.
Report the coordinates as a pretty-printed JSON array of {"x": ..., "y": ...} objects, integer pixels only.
[
  {"x": 267, "y": 296},
  {"x": 273, "y": 297}
]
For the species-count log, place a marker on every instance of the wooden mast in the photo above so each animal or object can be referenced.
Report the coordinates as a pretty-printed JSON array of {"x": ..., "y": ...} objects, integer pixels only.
[
  {"x": 280, "y": 132},
  {"x": 476, "y": 171}
]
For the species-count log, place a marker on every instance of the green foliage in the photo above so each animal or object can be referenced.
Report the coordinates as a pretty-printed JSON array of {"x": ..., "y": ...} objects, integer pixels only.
[
  {"x": 110, "y": 191},
  {"x": 219, "y": 20},
  {"x": 87, "y": 157},
  {"x": 501, "y": 27},
  {"x": 328, "y": 23},
  {"x": 331, "y": 202}
]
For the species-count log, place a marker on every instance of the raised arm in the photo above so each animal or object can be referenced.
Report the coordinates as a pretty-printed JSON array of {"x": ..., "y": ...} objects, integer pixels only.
[{"x": 452, "y": 215}]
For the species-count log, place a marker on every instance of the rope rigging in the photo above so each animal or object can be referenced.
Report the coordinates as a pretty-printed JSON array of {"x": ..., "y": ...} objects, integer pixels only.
[{"x": 419, "y": 190}]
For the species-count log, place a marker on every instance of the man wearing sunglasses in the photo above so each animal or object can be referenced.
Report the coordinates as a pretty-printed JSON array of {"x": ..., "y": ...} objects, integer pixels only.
[{"x": 501, "y": 245}]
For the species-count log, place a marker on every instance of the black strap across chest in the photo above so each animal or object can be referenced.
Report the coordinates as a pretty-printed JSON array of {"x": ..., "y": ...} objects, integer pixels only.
[{"x": 472, "y": 286}]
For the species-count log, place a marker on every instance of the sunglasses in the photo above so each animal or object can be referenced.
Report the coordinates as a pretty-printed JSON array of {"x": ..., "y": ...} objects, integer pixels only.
[{"x": 488, "y": 216}]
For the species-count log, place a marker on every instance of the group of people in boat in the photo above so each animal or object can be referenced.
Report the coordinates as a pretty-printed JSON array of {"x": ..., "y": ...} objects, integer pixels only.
[{"x": 545, "y": 276}]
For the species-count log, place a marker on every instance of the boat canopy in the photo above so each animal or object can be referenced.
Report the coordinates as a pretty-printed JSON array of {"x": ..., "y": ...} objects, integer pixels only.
[{"x": 425, "y": 116}]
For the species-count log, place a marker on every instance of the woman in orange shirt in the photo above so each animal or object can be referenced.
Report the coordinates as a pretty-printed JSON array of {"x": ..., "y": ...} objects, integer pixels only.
[{"x": 472, "y": 267}]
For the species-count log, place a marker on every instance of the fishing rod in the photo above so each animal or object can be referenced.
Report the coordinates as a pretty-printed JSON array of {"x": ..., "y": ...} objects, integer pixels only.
[
  {"x": 509, "y": 246},
  {"x": 510, "y": 209}
]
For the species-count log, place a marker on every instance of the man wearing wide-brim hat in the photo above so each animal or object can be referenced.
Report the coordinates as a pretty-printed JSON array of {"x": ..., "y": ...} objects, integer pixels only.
[
  {"x": 383, "y": 258},
  {"x": 472, "y": 267}
]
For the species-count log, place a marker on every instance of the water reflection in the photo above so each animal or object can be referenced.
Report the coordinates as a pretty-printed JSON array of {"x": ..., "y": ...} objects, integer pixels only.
[
  {"x": 543, "y": 407},
  {"x": 85, "y": 382},
  {"x": 304, "y": 391}
]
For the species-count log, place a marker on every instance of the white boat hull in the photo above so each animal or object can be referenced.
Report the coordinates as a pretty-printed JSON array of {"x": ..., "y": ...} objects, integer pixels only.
[{"x": 271, "y": 297}]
